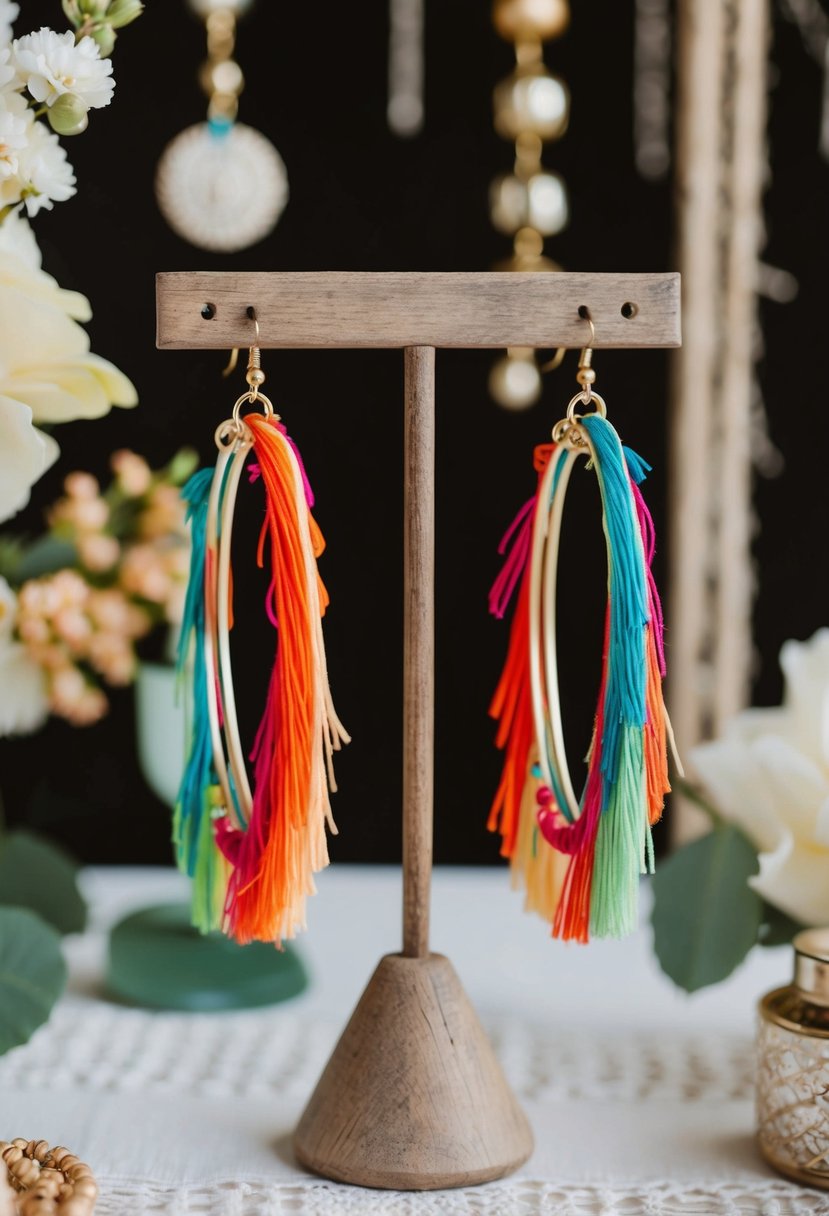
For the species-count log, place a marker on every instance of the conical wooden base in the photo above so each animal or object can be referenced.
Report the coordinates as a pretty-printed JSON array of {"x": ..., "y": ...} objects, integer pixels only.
[{"x": 413, "y": 1097}]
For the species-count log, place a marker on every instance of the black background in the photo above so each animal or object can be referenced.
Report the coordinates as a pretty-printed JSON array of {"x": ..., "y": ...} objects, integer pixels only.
[{"x": 362, "y": 199}]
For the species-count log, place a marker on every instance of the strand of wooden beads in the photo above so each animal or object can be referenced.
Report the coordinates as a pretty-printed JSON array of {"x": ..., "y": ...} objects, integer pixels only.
[{"x": 49, "y": 1181}]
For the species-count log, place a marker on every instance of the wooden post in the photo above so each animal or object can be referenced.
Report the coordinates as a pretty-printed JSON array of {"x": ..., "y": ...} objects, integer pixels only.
[
  {"x": 418, "y": 646},
  {"x": 721, "y": 164},
  {"x": 413, "y": 1096}
]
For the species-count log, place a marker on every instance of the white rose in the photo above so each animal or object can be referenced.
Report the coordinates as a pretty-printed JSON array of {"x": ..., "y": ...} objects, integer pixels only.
[
  {"x": 50, "y": 65},
  {"x": 45, "y": 360},
  {"x": 25, "y": 455},
  {"x": 769, "y": 774}
]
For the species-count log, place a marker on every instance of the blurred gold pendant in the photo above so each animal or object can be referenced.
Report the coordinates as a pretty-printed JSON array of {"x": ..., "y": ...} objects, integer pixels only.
[{"x": 221, "y": 185}]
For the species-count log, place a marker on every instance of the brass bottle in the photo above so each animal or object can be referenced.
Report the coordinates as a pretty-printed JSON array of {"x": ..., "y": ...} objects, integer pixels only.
[{"x": 793, "y": 1066}]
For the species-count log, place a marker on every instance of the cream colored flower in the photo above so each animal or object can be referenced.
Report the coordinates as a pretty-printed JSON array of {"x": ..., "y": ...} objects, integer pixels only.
[
  {"x": 24, "y": 704},
  {"x": 769, "y": 774},
  {"x": 45, "y": 360},
  {"x": 25, "y": 455}
]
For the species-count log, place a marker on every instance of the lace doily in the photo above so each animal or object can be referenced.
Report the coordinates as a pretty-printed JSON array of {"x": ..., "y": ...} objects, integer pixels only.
[{"x": 514, "y": 1199}]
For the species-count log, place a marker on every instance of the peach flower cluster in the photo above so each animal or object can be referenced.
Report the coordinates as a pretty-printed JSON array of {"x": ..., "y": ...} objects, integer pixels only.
[{"x": 80, "y": 625}]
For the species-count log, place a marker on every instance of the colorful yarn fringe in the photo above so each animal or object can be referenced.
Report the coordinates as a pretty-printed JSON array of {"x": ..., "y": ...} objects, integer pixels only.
[
  {"x": 582, "y": 873},
  {"x": 263, "y": 857}
]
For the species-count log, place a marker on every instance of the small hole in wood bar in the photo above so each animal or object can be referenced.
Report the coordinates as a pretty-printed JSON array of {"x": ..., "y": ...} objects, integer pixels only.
[
  {"x": 208, "y": 311},
  {"x": 629, "y": 310},
  {"x": 584, "y": 312}
]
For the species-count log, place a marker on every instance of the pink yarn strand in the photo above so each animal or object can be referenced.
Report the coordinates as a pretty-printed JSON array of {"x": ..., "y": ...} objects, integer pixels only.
[{"x": 504, "y": 586}]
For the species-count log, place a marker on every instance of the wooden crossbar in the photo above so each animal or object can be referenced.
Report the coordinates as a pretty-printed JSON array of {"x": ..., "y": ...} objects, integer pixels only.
[{"x": 341, "y": 309}]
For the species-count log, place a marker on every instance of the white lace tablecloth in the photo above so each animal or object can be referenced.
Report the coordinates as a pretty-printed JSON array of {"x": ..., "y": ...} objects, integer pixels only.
[{"x": 640, "y": 1097}]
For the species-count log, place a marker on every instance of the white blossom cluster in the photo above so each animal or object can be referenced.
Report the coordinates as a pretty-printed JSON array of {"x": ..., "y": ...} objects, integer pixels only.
[{"x": 48, "y": 84}]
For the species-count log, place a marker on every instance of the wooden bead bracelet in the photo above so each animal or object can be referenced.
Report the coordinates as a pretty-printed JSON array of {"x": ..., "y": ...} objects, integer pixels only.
[{"x": 48, "y": 1181}]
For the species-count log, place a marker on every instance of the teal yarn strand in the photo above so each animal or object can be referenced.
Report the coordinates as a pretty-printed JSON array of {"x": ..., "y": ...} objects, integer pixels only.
[
  {"x": 195, "y": 848},
  {"x": 622, "y": 839},
  {"x": 625, "y": 694}
]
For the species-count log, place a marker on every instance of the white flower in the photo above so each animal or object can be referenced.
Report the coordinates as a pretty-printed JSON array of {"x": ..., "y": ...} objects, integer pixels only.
[
  {"x": 769, "y": 774},
  {"x": 8, "y": 15},
  {"x": 25, "y": 455},
  {"x": 6, "y": 65},
  {"x": 45, "y": 172},
  {"x": 24, "y": 703},
  {"x": 44, "y": 175},
  {"x": 50, "y": 64},
  {"x": 13, "y": 138},
  {"x": 20, "y": 267},
  {"x": 45, "y": 359}
]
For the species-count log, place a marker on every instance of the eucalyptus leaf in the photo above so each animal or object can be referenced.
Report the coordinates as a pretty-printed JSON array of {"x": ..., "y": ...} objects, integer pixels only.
[
  {"x": 38, "y": 875},
  {"x": 706, "y": 917},
  {"x": 32, "y": 975},
  {"x": 45, "y": 556}
]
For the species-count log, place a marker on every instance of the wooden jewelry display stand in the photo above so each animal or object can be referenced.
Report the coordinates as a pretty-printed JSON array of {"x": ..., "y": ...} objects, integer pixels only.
[{"x": 413, "y": 1097}]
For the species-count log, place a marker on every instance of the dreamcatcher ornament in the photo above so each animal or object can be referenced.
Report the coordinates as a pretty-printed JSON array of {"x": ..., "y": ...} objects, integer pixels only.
[
  {"x": 579, "y": 859},
  {"x": 252, "y": 848}
]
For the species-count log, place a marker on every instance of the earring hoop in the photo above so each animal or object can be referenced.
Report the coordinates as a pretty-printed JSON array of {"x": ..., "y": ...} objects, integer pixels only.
[
  {"x": 252, "y": 846},
  {"x": 604, "y": 834}
]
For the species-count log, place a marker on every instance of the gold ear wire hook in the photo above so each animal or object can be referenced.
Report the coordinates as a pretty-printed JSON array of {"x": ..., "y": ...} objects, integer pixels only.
[
  {"x": 586, "y": 375},
  {"x": 233, "y": 361},
  {"x": 254, "y": 375}
]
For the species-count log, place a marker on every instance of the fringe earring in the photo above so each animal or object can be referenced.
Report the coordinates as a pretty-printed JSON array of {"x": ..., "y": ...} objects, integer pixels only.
[
  {"x": 252, "y": 849},
  {"x": 579, "y": 859}
]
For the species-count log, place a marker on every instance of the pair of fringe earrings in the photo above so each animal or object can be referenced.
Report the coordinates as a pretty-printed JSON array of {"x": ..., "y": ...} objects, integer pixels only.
[{"x": 252, "y": 851}]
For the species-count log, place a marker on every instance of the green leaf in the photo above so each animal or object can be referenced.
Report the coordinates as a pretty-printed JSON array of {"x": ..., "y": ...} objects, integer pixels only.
[
  {"x": 778, "y": 928},
  {"x": 706, "y": 917},
  {"x": 37, "y": 875},
  {"x": 32, "y": 975},
  {"x": 45, "y": 556},
  {"x": 12, "y": 550}
]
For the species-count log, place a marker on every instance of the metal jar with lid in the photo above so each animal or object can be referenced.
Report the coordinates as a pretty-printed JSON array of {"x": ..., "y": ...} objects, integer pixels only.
[{"x": 793, "y": 1066}]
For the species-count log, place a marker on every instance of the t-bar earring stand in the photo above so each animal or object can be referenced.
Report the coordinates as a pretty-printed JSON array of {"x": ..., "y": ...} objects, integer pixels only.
[{"x": 413, "y": 1097}]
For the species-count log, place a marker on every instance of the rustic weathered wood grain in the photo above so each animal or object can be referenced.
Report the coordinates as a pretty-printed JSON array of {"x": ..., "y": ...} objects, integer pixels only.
[
  {"x": 351, "y": 309},
  {"x": 418, "y": 645},
  {"x": 413, "y": 1097}
]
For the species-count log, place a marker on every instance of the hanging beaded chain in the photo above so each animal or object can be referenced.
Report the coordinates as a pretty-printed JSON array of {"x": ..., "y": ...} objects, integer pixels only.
[{"x": 48, "y": 1180}]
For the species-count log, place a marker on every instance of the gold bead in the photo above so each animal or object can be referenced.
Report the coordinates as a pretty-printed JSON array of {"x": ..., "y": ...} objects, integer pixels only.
[
  {"x": 515, "y": 381},
  {"x": 518, "y": 19},
  {"x": 533, "y": 101},
  {"x": 11, "y": 1154},
  {"x": 224, "y": 76},
  {"x": 540, "y": 202},
  {"x": 586, "y": 375},
  {"x": 40, "y": 1149},
  {"x": 255, "y": 377}
]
